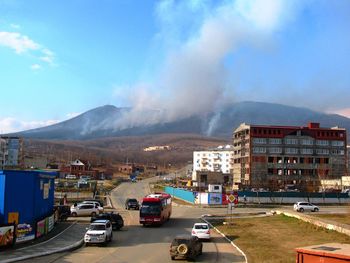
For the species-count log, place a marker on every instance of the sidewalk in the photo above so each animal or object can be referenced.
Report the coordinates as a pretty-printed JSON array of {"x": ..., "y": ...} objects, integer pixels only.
[{"x": 68, "y": 239}]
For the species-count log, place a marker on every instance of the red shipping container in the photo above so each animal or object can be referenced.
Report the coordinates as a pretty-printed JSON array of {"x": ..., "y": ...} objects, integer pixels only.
[{"x": 325, "y": 253}]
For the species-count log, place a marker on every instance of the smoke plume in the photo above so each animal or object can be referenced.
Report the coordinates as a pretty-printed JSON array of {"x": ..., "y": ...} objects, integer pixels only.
[{"x": 194, "y": 79}]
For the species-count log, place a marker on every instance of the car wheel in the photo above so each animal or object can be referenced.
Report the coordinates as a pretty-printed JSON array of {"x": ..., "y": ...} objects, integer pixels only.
[
  {"x": 93, "y": 214},
  {"x": 74, "y": 214},
  {"x": 172, "y": 257},
  {"x": 111, "y": 237},
  {"x": 301, "y": 210},
  {"x": 182, "y": 249},
  {"x": 316, "y": 209}
]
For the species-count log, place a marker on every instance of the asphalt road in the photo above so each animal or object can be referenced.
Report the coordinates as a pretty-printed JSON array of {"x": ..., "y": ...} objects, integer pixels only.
[{"x": 136, "y": 243}]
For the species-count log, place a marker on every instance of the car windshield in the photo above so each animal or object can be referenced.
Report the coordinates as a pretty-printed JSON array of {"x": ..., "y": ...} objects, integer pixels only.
[
  {"x": 97, "y": 227},
  {"x": 149, "y": 208},
  {"x": 200, "y": 227},
  {"x": 132, "y": 201}
]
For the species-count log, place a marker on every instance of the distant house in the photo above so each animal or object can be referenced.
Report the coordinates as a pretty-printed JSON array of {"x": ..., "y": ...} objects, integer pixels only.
[
  {"x": 79, "y": 167},
  {"x": 130, "y": 168}
]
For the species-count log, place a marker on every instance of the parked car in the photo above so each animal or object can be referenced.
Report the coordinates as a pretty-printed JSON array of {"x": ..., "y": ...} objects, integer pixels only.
[
  {"x": 115, "y": 218},
  {"x": 71, "y": 176},
  {"x": 100, "y": 208},
  {"x": 305, "y": 206},
  {"x": 185, "y": 247},
  {"x": 99, "y": 232},
  {"x": 132, "y": 203},
  {"x": 84, "y": 210},
  {"x": 201, "y": 230},
  {"x": 95, "y": 200}
]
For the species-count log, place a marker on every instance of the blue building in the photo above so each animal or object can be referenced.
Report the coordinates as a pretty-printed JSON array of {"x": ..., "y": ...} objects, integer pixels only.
[{"x": 26, "y": 196}]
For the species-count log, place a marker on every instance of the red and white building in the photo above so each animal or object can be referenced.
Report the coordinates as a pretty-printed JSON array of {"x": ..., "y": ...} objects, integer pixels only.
[{"x": 276, "y": 157}]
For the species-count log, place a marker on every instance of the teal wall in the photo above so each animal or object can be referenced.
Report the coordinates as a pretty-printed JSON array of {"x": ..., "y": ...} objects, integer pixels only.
[{"x": 180, "y": 193}]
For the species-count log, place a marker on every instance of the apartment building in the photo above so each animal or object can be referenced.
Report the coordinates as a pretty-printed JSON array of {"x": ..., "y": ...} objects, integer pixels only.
[
  {"x": 282, "y": 157},
  {"x": 213, "y": 166},
  {"x": 11, "y": 152}
]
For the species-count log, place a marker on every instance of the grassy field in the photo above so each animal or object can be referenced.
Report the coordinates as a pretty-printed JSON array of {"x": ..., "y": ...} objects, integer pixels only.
[
  {"x": 340, "y": 218},
  {"x": 273, "y": 239}
]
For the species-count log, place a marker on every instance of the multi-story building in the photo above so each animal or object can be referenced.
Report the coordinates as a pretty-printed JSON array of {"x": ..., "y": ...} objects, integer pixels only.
[
  {"x": 216, "y": 163},
  {"x": 11, "y": 152},
  {"x": 279, "y": 157}
]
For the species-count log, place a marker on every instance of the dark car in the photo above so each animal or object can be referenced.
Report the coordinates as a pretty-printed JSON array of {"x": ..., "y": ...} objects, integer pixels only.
[
  {"x": 115, "y": 218},
  {"x": 186, "y": 247},
  {"x": 132, "y": 203},
  {"x": 62, "y": 212}
]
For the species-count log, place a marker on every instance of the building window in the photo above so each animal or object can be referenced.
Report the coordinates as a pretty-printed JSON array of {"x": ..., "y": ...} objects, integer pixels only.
[
  {"x": 291, "y": 141},
  {"x": 259, "y": 150},
  {"x": 259, "y": 140},
  {"x": 307, "y": 142},
  {"x": 337, "y": 143},
  {"x": 275, "y": 141},
  {"x": 291, "y": 150},
  {"x": 306, "y": 151},
  {"x": 322, "y": 151},
  {"x": 337, "y": 152},
  {"x": 322, "y": 142},
  {"x": 275, "y": 150}
]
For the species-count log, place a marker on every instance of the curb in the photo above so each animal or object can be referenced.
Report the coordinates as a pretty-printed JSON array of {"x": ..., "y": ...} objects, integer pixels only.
[
  {"x": 316, "y": 222},
  {"x": 40, "y": 254},
  {"x": 224, "y": 236},
  {"x": 70, "y": 247}
]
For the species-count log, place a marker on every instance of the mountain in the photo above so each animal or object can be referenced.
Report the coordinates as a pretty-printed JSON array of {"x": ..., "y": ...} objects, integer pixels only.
[{"x": 106, "y": 121}]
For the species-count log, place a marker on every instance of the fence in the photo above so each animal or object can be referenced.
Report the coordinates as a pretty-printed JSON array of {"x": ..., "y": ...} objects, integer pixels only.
[
  {"x": 259, "y": 197},
  {"x": 179, "y": 193}
]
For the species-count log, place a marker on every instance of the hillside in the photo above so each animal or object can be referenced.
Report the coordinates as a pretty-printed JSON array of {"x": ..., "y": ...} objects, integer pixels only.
[{"x": 109, "y": 121}]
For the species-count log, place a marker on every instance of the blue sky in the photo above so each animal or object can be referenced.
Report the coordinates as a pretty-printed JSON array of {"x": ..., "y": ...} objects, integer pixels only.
[{"x": 61, "y": 58}]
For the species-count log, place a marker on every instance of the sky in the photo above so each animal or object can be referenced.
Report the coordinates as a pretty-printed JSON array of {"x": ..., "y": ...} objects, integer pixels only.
[{"x": 62, "y": 58}]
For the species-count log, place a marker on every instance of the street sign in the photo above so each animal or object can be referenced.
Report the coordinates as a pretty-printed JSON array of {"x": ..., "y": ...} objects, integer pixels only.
[{"x": 231, "y": 198}]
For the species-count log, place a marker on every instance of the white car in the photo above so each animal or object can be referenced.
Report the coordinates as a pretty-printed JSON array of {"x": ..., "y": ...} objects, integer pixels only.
[
  {"x": 305, "y": 206},
  {"x": 99, "y": 232},
  {"x": 84, "y": 210},
  {"x": 100, "y": 208},
  {"x": 201, "y": 230}
]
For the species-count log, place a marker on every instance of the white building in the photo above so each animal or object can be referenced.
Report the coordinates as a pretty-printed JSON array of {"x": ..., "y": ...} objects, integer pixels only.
[{"x": 216, "y": 160}]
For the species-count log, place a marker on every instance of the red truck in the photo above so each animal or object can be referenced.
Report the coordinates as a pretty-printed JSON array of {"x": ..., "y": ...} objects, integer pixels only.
[{"x": 155, "y": 209}]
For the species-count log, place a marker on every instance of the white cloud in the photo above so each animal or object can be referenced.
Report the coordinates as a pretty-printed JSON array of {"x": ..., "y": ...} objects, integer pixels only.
[
  {"x": 8, "y": 125},
  {"x": 22, "y": 44},
  {"x": 18, "y": 42},
  {"x": 48, "y": 56},
  {"x": 35, "y": 67}
]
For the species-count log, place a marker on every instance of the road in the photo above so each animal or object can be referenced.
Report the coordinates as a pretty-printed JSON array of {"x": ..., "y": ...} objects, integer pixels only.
[{"x": 136, "y": 243}]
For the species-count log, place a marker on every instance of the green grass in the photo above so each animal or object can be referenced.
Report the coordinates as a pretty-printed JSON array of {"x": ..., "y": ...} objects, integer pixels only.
[{"x": 273, "y": 239}]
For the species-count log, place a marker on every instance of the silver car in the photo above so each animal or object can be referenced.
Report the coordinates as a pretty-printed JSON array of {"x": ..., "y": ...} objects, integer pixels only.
[{"x": 305, "y": 206}]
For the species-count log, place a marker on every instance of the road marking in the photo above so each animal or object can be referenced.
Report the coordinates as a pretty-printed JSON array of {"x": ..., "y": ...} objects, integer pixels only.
[{"x": 230, "y": 241}]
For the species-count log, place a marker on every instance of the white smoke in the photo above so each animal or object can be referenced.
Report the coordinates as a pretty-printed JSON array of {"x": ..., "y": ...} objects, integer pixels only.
[{"x": 194, "y": 79}]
